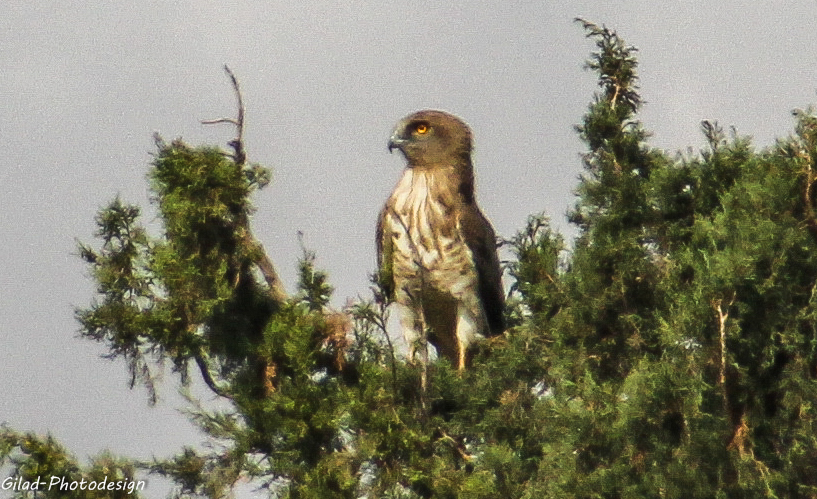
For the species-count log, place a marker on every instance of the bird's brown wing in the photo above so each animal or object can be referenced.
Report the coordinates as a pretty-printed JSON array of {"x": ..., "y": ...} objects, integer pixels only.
[
  {"x": 481, "y": 240},
  {"x": 385, "y": 255}
]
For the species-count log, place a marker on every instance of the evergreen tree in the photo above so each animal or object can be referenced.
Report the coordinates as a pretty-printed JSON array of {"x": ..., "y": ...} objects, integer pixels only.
[
  {"x": 671, "y": 353},
  {"x": 41, "y": 467},
  {"x": 684, "y": 352}
]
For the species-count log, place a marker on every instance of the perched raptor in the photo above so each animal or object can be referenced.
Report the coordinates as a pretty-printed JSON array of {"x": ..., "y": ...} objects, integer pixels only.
[{"x": 436, "y": 251}]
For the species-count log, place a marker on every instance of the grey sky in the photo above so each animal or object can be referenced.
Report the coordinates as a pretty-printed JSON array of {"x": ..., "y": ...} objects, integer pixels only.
[{"x": 85, "y": 84}]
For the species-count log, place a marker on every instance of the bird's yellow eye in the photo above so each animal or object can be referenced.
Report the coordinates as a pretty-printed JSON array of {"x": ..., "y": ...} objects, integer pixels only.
[{"x": 422, "y": 128}]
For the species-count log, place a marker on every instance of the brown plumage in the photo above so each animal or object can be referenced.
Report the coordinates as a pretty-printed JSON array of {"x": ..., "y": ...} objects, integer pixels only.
[{"x": 436, "y": 250}]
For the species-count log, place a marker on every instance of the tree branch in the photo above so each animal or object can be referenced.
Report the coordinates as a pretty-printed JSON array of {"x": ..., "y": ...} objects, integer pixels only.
[
  {"x": 231, "y": 121},
  {"x": 722, "y": 317},
  {"x": 239, "y": 156},
  {"x": 811, "y": 217},
  {"x": 208, "y": 377},
  {"x": 265, "y": 265},
  {"x": 735, "y": 414}
]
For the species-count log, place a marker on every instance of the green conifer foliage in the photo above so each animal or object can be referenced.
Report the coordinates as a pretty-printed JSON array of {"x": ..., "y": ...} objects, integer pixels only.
[
  {"x": 671, "y": 352},
  {"x": 683, "y": 355},
  {"x": 41, "y": 467}
]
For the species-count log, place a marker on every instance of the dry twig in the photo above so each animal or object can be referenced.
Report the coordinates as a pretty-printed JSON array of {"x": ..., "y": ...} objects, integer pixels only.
[{"x": 239, "y": 156}]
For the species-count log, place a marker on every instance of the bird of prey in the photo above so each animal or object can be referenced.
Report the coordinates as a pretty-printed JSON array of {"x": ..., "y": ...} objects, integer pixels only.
[{"x": 436, "y": 251}]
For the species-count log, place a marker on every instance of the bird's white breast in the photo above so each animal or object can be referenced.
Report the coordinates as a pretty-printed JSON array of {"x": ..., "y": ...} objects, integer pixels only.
[{"x": 428, "y": 247}]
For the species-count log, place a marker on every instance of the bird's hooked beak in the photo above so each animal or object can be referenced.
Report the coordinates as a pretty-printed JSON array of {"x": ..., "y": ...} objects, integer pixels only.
[{"x": 396, "y": 141}]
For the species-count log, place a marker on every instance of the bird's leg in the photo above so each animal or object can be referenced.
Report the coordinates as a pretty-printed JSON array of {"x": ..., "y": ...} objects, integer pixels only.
[
  {"x": 467, "y": 332},
  {"x": 422, "y": 328},
  {"x": 417, "y": 339},
  {"x": 415, "y": 333},
  {"x": 410, "y": 323},
  {"x": 423, "y": 372}
]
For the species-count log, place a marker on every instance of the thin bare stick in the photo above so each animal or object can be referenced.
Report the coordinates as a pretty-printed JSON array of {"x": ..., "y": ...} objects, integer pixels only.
[
  {"x": 811, "y": 217},
  {"x": 220, "y": 120},
  {"x": 722, "y": 317},
  {"x": 614, "y": 98},
  {"x": 264, "y": 263},
  {"x": 460, "y": 448},
  {"x": 208, "y": 377},
  {"x": 239, "y": 155}
]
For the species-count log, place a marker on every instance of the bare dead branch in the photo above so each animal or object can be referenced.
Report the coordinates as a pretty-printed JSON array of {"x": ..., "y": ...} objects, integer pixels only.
[
  {"x": 811, "y": 217},
  {"x": 239, "y": 155},
  {"x": 614, "y": 98},
  {"x": 208, "y": 377},
  {"x": 723, "y": 315},
  {"x": 737, "y": 419},
  {"x": 456, "y": 444},
  {"x": 266, "y": 267},
  {"x": 231, "y": 121}
]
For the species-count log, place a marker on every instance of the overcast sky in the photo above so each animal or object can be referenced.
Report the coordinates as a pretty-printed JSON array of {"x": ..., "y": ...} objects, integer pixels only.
[{"x": 86, "y": 83}]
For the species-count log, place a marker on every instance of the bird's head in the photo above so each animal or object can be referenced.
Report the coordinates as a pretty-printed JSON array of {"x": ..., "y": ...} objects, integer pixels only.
[{"x": 432, "y": 138}]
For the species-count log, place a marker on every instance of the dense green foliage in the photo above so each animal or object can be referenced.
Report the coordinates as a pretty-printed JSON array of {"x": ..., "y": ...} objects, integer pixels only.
[
  {"x": 40, "y": 467},
  {"x": 671, "y": 353}
]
